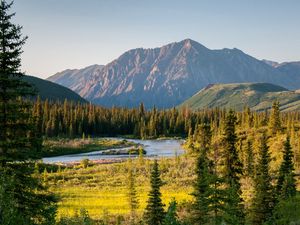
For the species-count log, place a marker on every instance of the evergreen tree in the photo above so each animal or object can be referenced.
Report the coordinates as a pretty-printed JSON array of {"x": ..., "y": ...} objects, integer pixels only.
[
  {"x": 14, "y": 111},
  {"x": 23, "y": 199},
  {"x": 234, "y": 209},
  {"x": 155, "y": 214},
  {"x": 202, "y": 188},
  {"x": 286, "y": 184},
  {"x": 171, "y": 217},
  {"x": 275, "y": 122},
  {"x": 263, "y": 201},
  {"x": 249, "y": 164}
]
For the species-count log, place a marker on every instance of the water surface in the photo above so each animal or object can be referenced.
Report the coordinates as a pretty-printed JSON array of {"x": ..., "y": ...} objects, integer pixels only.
[{"x": 154, "y": 148}]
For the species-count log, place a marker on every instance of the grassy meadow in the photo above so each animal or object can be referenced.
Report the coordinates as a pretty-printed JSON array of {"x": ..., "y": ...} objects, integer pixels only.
[{"x": 102, "y": 189}]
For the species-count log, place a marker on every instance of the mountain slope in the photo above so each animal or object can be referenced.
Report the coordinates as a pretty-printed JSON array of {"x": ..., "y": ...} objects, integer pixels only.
[
  {"x": 258, "y": 96},
  {"x": 75, "y": 79},
  {"x": 52, "y": 91},
  {"x": 167, "y": 76}
]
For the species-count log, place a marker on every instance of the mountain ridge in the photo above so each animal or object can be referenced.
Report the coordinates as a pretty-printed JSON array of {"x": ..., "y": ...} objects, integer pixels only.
[{"x": 168, "y": 75}]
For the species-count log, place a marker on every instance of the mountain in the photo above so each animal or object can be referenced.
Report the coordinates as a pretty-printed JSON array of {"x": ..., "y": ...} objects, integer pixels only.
[
  {"x": 52, "y": 91},
  {"x": 258, "y": 96},
  {"x": 292, "y": 69},
  {"x": 168, "y": 75},
  {"x": 75, "y": 79}
]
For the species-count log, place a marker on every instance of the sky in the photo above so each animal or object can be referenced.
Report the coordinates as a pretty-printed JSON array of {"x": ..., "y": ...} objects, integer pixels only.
[{"x": 72, "y": 34}]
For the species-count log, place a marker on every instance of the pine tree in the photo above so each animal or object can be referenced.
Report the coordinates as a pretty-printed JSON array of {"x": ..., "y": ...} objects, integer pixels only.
[
  {"x": 286, "y": 184},
  {"x": 28, "y": 202},
  {"x": 14, "y": 111},
  {"x": 275, "y": 122},
  {"x": 171, "y": 217},
  {"x": 154, "y": 213},
  {"x": 202, "y": 188},
  {"x": 263, "y": 201},
  {"x": 234, "y": 209}
]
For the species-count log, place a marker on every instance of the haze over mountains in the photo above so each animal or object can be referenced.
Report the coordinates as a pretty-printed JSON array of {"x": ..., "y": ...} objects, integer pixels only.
[{"x": 167, "y": 76}]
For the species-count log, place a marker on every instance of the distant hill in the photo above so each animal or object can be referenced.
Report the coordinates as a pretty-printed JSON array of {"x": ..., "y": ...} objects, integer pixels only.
[
  {"x": 168, "y": 75},
  {"x": 52, "y": 91},
  {"x": 258, "y": 96}
]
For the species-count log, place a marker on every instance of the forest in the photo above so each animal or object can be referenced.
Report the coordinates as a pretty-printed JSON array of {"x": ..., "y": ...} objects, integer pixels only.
[{"x": 238, "y": 167}]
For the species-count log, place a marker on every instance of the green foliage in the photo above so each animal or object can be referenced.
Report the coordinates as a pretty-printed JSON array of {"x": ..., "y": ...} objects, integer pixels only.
[
  {"x": 286, "y": 183},
  {"x": 263, "y": 200},
  {"x": 287, "y": 211},
  {"x": 207, "y": 205},
  {"x": 154, "y": 212},
  {"x": 171, "y": 217},
  {"x": 233, "y": 207},
  {"x": 82, "y": 219},
  {"x": 23, "y": 200},
  {"x": 17, "y": 136},
  {"x": 274, "y": 122}
]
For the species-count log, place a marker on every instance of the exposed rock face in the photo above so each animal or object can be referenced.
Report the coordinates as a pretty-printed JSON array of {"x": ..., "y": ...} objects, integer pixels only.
[
  {"x": 75, "y": 79},
  {"x": 167, "y": 76}
]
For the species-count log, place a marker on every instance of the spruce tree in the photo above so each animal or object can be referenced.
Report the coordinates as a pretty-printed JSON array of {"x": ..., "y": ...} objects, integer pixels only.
[
  {"x": 202, "y": 188},
  {"x": 286, "y": 184},
  {"x": 171, "y": 217},
  {"x": 23, "y": 199},
  {"x": 14, "y": 111},
  {"x": 275, "y": 122},
  {"x": 154, "y": 212},
  {"x": 263, "y": 201},
  {"x": 234, "y": 208}
]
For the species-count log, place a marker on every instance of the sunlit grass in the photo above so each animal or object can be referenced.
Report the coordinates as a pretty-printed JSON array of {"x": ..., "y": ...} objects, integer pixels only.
[{"x": 103, "y": 188}]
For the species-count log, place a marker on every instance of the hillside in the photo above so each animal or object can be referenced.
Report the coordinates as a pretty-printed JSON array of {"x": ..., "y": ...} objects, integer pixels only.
[
  {"x": 168, "y": 75},
  {"x": 52, "y": 91},
  {"x": 258, "y": 96}
]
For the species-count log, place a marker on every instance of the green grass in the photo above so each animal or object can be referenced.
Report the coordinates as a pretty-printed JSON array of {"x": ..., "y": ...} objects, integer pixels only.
[
  {"x": 56, "y": 147},
  {"x": 104, "y": 187}
]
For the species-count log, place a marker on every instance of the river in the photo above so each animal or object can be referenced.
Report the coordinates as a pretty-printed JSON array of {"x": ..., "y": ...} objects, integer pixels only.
[{"x": 154, "y": 148}]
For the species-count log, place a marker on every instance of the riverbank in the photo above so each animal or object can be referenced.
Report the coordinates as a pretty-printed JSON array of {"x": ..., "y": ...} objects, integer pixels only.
[
  {"x": 62, "y": 146},
  {"x": 151, "y": 149}
]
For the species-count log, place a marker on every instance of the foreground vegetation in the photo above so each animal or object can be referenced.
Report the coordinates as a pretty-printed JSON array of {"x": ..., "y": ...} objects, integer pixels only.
[{"x": 101, "y": 191}]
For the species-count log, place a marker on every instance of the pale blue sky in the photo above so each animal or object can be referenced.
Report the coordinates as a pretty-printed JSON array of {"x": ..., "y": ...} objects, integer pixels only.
[{"x": 77, "y": 33}]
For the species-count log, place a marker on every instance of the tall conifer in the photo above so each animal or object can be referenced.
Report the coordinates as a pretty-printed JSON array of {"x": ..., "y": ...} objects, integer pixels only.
[
  {"x": 263, "y": 201},
  {"x": 155, "y": 214},
  {"x": 234, "y": 209}
]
